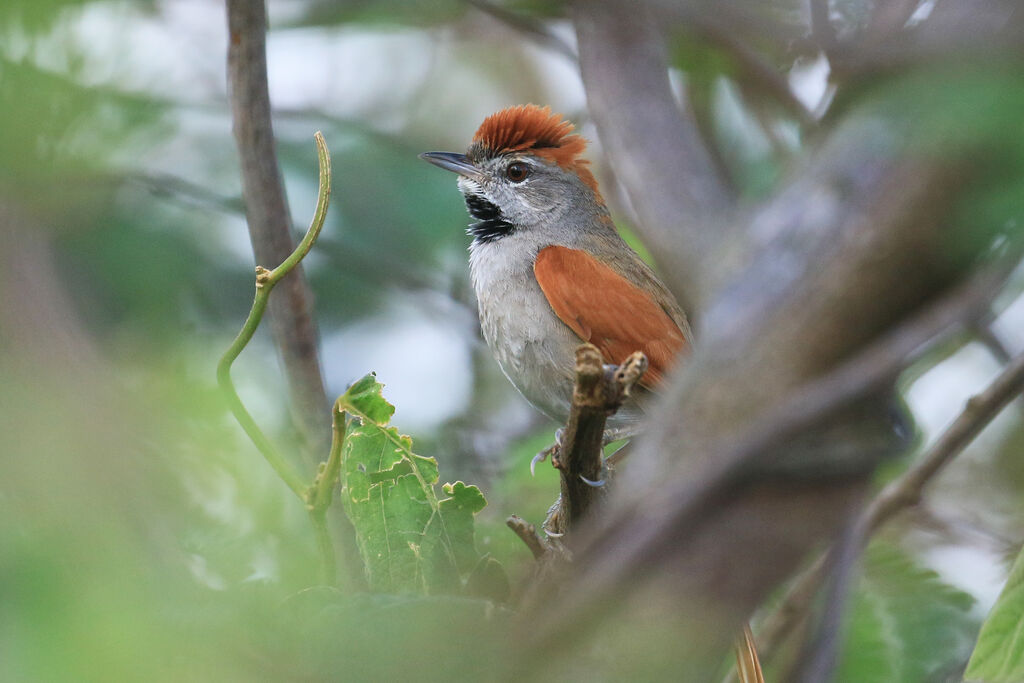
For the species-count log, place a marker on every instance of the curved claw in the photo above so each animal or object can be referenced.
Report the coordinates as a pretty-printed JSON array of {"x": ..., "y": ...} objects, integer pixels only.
[
  {"x": 540, "y": 457},
  {"x": 596, "y": 484}
]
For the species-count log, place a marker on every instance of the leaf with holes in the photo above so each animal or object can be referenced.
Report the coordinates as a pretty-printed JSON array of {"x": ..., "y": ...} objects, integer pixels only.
[
  {"x": 410, "y": 541},
  {"x": 999, "y": 654}
]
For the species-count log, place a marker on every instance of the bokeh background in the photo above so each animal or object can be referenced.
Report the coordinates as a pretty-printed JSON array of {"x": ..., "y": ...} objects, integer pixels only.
[{"x": 141, "y": 535}]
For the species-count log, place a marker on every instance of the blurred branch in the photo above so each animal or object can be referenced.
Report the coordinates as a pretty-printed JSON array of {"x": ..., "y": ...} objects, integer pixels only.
[
  {"x": 167, "y": 185},
  {"x": 268, "y": 217},
  {"x": 821, "y": 26},
  {"x": 982, "y": 330},
  {"x": 903, "y": 492},
  {"x": 767, "y": 439},
  {"x": 317, "y": 497},
  {"x": 955, "y": 30},
  {"x": 528, "y": 26},
  {"x": 979, "y": 411},
  {"x": 656, "y": 147},
  {"x": 888, "y": 17},
  {"x": 757, "y": 73}
]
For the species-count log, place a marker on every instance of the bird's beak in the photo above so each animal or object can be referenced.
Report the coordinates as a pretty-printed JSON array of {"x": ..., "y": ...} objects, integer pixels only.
[{"x": 457, "y": 163}]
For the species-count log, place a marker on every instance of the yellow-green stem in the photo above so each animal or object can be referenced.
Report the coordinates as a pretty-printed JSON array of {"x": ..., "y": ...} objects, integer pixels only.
[{"x": 265, "y": 281}]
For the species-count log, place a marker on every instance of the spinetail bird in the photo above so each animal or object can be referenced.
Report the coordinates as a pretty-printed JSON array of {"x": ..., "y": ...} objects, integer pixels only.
[{"x": 551, "y": 271}]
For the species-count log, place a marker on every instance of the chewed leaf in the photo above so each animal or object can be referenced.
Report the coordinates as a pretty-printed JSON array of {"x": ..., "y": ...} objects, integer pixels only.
[
  {"x": 366, "y": 400},
  {"x": 410, "y": 541}
]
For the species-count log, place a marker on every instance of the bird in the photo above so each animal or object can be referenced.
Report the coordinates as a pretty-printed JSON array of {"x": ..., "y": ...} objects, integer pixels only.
[
  {"x": 551, "y": 272},
  {"x": 549, "y": 268}
]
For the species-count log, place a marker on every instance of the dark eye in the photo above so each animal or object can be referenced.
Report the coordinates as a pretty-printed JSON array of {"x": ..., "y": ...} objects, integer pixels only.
[{"x": 517, "y": 172}]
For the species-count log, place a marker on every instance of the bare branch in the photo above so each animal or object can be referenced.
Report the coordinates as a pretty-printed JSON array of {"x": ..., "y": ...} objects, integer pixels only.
[
  {"x": 528, "y": 26},
  {"x": 270, "y": 223},
  {"x": 659, "y": 156},
  {"x": 758, "y": 74},
  {"x": 977, "y": 414},
  {"x": 901, "y": 493},
  {"x": 528, "y": 533}
]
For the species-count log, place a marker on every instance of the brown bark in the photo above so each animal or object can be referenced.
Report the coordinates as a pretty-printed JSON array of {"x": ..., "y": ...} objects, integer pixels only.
[{"x": 270, "y": 224}]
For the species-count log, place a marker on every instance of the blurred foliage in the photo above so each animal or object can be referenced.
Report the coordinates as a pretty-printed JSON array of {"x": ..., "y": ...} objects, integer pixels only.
[
  {"x": 140, "y": 535},
  {"x": 998, "y": 657},
  {"x": 905, "y": 624}
]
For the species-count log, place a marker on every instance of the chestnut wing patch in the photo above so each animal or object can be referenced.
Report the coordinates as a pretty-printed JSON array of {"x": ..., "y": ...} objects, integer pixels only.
[{"x": 607, "y": 310}]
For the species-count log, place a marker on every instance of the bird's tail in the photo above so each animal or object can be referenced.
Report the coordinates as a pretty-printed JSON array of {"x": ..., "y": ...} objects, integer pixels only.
[{"x": 748, "y": 666}]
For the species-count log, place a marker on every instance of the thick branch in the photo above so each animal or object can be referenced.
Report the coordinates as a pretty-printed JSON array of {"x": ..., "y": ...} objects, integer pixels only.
[
  {"x": 269, "y": 221},
  {"x": 762, "y": 447},
  {"x": 658, "y": 154}
]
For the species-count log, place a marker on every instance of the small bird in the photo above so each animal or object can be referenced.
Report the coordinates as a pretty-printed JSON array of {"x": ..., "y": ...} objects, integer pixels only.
[
  {"x": 551, "y": 272},
  {"x": 549, "y": 268}
]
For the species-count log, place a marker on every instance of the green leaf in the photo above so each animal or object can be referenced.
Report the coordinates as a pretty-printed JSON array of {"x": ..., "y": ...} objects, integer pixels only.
[
  {"x": 905, "y": 624},
  {"x": 410, "y": 541},
  {"x": 999, "y": 654}
]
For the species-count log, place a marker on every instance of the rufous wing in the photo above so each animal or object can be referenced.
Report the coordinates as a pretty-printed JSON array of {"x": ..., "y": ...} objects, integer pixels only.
[{"x": 607, "y": 310}]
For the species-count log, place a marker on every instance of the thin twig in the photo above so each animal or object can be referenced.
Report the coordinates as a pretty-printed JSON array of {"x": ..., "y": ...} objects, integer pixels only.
[
  {"x": 269, "y": 221},
  {"x": 979, "y": 411},
  {"x": 903, "y": 492},
  {"x": 528, "y": 533},
  {"x": 265, "y": 282}
]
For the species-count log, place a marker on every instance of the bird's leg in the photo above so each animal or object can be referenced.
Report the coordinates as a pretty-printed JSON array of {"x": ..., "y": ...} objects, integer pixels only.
[
  {"x": 611, "y": 435},
  {"x": 551, "y": 450}
]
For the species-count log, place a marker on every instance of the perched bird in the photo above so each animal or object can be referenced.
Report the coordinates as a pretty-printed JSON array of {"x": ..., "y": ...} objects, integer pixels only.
[
  {"x": 549, "y": 268},
  {"x": 551, "y": 272}
]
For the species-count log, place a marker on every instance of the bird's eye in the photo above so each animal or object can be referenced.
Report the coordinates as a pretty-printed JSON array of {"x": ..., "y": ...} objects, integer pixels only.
[{"x": 517, "y": 172}]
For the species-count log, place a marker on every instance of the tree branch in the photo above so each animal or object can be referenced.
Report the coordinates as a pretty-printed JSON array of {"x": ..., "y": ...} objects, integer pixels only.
[
  {"x": 658, "y": 154},
  {"x": 528, "y": 26},
  {"x": 598, "y": 392},
  {"x": 757, "y": 74},
  {"x": 269, "y": 220},
  {"x": 903, "y": 492},
  {"x": 761, "y": 448}
]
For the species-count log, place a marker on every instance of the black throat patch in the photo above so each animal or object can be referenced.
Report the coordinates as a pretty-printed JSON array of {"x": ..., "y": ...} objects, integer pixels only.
[{"x": 490, "y": 226}]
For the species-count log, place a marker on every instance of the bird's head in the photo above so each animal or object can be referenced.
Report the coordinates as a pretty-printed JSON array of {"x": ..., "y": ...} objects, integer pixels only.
[{"x": 524, "y": 171}]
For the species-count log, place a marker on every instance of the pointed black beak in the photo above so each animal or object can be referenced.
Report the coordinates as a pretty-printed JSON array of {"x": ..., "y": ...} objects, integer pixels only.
[{"x": 457, "y": 163}]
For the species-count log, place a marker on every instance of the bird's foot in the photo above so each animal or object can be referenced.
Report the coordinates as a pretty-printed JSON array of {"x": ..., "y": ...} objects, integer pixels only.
[{"x": 551, "y": 451}]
